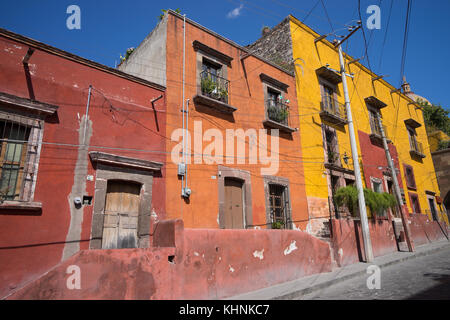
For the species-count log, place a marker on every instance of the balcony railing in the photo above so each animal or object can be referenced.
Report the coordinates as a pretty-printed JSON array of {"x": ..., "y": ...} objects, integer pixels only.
[
  {"x": 416, "y": 148},
  {"x": 214, "y": 87},
  {"x": 376, "y": 130},
  {"x": 277, "y": 111},
  {"x": 332, "y": 110},
  {"x": 334, "y": 158}
]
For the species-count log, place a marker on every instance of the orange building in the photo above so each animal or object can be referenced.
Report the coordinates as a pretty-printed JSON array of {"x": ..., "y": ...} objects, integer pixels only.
[{"x": 235, "y": 115}]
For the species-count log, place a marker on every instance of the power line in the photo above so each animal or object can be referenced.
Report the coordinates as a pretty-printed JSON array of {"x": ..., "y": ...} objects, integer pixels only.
[
  {"x": 385, "y": 34},
  {"x": 310, "y": 11},
  {"x": 364, "y": 36},
  {"x": 326, "y": 13},
  {"x": 405, "y": 41}
]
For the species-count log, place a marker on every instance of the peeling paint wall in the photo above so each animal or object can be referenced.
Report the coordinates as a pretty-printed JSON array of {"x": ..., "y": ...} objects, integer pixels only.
[
  {"x": 121, "y": 121},
  {"x": 182, "y": 265},
  {"x": 347, "y": 242},
  {"x": 72, "y": 244}
]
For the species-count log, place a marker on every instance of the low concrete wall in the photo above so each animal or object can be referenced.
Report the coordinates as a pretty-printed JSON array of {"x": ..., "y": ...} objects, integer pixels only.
[
  {"x": 187, "y": 264},
  {"x": 347, "y": 241},
  {"x": 425, "y": 231}
]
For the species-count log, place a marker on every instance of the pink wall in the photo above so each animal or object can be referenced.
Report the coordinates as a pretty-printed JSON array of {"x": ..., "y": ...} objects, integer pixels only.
[
  {"x": 373, "y": 157},
  {"x": 425, "y": 231},
  {"x": 347, "y": 241},
  {"x": 31, "y": 243},
  {"x": 206, "y": 264}
]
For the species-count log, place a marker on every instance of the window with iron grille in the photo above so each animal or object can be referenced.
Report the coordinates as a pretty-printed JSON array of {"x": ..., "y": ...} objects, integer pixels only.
[
  {"x": 277, "y": 199},
  {"x": 213, "y": 83},
  {"x": 14, "y": 142},
  {"x": 19, "y": 143}
]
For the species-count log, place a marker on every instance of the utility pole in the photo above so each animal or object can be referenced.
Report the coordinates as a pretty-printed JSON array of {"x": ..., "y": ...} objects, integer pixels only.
[
  {"x": 361, "y": 201},
  {"x": 397, "y": 192}
]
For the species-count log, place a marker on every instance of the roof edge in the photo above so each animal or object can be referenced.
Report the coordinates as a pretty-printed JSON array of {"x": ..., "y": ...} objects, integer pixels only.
[
  {"x": 230, "y": 42},
  {"x": 360, "y": 65},
  {"x": 73, "y": 57}
]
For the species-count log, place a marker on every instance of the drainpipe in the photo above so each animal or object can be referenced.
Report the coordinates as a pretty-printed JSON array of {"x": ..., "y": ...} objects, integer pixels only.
[
  {"x": 185, "y": 191},
  {"x": 87, "y": 113}
]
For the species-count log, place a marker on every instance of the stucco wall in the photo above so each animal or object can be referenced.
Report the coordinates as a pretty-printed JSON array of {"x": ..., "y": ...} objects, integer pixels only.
[
  {"x": 312, "y": 56},
  {"x": 347, "y": 241},
  {"x": 246, "y": 94},
  {"x": 121, "y": 121},
  {"x": 188, "y": 264},
  {"x": 424, "y": 231}
]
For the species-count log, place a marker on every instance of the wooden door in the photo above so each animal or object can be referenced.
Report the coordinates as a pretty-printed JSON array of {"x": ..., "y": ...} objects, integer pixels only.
[
  {"x": 121, "y": 215},
  {"x": 234, "y": 213}
]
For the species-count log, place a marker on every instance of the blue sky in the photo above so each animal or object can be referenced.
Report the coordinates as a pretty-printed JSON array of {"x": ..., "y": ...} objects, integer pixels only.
[{"x": 108, "y": 28}]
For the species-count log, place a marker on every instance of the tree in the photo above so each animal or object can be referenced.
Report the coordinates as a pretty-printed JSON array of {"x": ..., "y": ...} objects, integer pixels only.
[{"x": 436, "y": 117}]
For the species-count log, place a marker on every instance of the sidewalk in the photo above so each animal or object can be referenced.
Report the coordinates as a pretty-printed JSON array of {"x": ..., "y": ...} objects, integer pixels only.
[{"x": 297, "y": 288}]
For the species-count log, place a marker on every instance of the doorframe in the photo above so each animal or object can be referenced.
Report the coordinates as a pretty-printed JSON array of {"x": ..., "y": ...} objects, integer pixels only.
[
  {"x": 112, "y": 167},
  {"x": 244, "y": 176}
]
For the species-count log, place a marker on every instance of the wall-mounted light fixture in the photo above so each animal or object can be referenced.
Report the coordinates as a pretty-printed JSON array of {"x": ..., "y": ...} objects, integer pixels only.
[{"x": 346, "y": 158}]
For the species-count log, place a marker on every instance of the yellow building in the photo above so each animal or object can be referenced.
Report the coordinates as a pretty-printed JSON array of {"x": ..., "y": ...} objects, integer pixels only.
[{"x": 325, "y": 144}]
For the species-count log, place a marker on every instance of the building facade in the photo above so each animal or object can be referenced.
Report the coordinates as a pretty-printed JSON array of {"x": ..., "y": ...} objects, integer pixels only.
[
  {"x": 81, "y": 143},
  {"x": 243, "y": 167},
  {"x": 324, "y": 126}
]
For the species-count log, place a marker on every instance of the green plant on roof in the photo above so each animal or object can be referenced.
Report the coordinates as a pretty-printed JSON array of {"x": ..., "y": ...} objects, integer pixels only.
[
  {"x": 161, "y": 16},
  {"x": 127, "y": 54}
]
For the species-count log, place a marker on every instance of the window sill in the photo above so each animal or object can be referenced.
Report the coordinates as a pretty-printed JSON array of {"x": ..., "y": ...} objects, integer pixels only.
[
  {"x": 215, "y": 104},
  {"x": 276, "y": 125},
  {"x": 332, "y": 118},
  {"x": 378, "y": 138},
  {"x": 17, "y": 205},
  {"x": 418, "y": 154}
]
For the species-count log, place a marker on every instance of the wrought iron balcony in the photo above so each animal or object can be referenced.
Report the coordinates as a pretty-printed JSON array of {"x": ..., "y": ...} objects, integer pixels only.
[
  {"x": 376, "y": 130},
  {"x": 277, "y": 111},
  {"x": 277, "y": 116},
  {"x": 333, "y": 111},
  {"x": 416, "y": 148},
  {"x": 214, "y": 87}
]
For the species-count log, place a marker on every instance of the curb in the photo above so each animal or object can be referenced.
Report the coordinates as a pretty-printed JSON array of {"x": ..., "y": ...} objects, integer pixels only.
[
  {"x": 295, "y": 294},
  {"x": 302, "y": 292}
]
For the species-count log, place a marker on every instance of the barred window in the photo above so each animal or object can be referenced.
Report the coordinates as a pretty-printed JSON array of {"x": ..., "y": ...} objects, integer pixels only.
[
  {"x": 14, "y": 145},
  {"x": 21, "y": 131},
  {"x": 20, "y": 136}
]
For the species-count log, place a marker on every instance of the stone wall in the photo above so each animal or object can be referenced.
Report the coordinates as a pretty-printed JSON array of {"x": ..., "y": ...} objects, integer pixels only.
[
  {"x": 441, "y": 160},
  {"x": 276, "y": 46}
]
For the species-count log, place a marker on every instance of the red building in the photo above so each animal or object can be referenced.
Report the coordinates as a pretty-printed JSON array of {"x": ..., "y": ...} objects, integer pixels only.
[{"x": 79, "y": 139}]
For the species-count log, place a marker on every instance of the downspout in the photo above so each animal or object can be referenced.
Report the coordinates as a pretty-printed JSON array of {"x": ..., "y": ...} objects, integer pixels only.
[
  {"x": 87, "y": 114},
  {"x": 185, "y": 191},
  {"x": 183, "y": 108}
]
